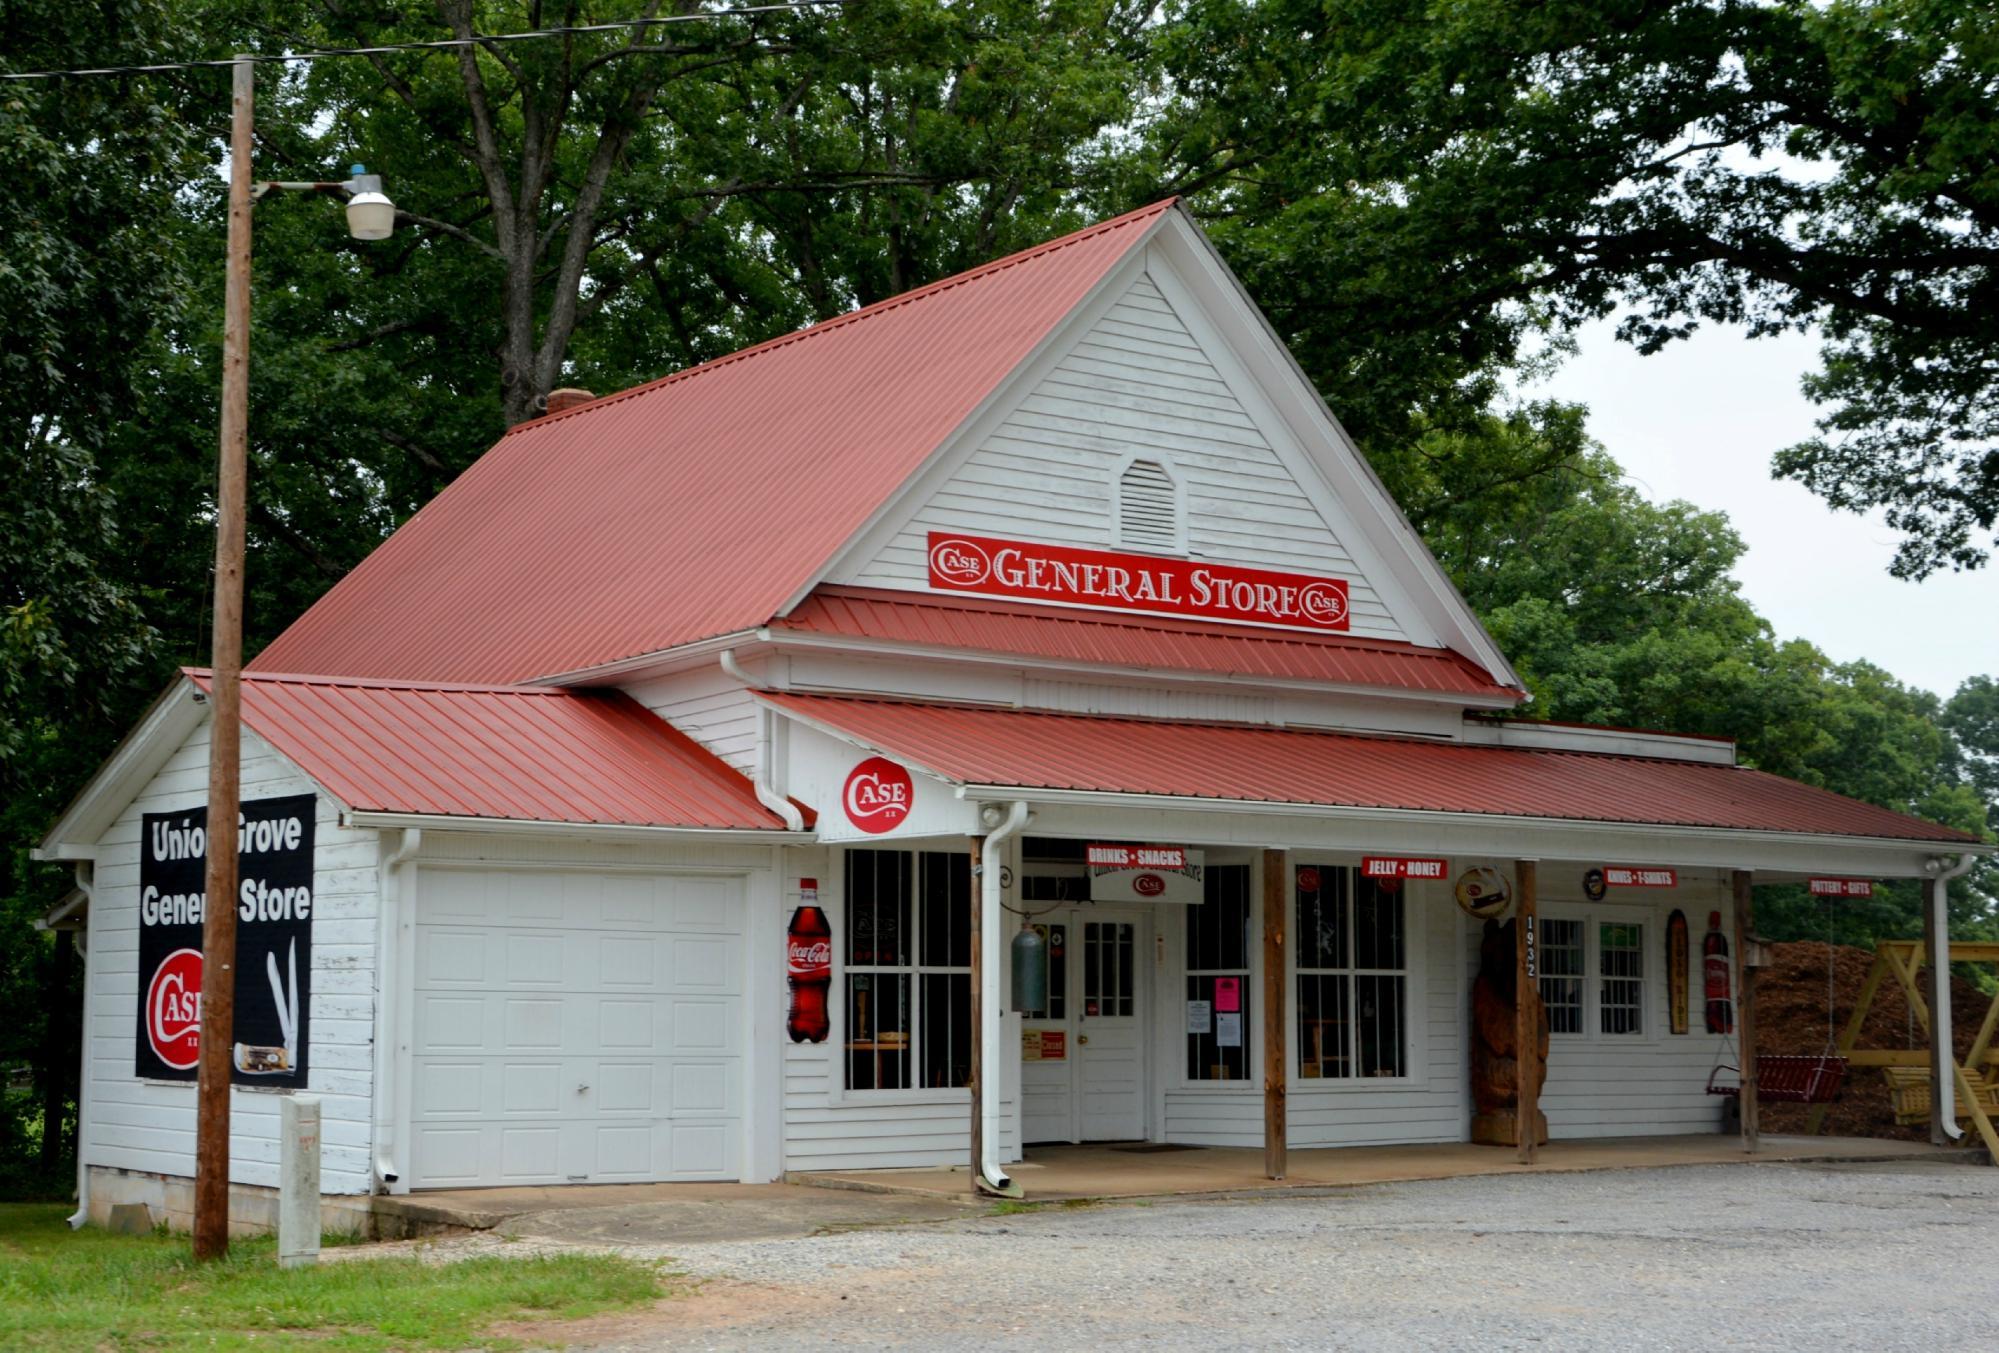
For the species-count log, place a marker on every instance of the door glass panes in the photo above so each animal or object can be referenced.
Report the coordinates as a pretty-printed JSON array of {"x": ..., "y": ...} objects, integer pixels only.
[
  {"x": 1562, "y": 974},
  {"x": 1107, "y": 969},
  {"x": 1056, "y": 938},
  {"x": 1218, "y": 977}
]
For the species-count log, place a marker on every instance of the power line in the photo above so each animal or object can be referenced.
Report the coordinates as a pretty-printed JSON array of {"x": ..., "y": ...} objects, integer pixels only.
[{"x": 442, "y": 44}]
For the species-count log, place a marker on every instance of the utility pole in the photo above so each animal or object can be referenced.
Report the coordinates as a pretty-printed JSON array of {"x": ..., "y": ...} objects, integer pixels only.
[{"x": 218, "y": 926}]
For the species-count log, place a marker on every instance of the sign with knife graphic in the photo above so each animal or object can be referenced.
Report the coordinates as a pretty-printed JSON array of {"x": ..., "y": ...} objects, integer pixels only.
[{"x": 274, "y": 905}]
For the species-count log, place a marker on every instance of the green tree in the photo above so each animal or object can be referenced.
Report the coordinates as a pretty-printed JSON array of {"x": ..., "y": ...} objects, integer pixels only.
[{"x": 1415, "y": 191}]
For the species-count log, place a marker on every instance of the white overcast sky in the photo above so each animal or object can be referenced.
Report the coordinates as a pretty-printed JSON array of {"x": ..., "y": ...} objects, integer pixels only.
[{"x": 1700, "y": 421}]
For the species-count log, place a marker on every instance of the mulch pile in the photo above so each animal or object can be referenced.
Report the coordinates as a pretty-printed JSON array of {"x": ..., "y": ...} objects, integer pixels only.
[{"x": 1791, "y": 1017}]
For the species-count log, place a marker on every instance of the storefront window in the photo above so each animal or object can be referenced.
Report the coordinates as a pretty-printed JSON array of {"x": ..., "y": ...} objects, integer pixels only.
[
  {"x": 1562, "y": 974},
  {"x": 908, "y": 970},
  {"x": 1218, "y": 977},
  {"x": 1621, "y": 976},
  {"x": 1353, "y": 977}
]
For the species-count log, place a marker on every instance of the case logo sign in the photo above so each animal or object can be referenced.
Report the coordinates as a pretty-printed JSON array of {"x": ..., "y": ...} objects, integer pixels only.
[
  {"x": 274, "y": 904},
  {"x": 878, "y": 795},
  {"x": 1135, "y": 582},
  {"x": 173, "y": 1010}
]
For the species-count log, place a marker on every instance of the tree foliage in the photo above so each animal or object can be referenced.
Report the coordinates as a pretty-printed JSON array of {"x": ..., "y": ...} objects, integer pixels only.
[{"x": 1446, "y": 179}]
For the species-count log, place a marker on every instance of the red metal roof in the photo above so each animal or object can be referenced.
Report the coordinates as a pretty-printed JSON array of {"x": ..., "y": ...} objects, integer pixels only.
[
  {"x": 1022, "y": 629},
  {"x": 537, "y": 754},
  {"x": 1035, "y": 750},
  {"x": 699, "y": 504}
]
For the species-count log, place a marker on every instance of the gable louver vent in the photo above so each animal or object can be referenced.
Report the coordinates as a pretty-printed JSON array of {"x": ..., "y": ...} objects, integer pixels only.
[{"x": 1148, "y": 507}]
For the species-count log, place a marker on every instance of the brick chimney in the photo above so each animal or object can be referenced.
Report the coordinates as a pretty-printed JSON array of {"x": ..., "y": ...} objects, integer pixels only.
[{"x": 560, "y": 401}]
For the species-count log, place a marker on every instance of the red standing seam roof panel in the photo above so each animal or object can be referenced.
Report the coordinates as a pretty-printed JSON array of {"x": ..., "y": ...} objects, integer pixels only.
[
  {"x": 1034, "y": 750},
  {"x": 697, "y": 505},
  {"x": 1022, "y": 629},
  {"x": 538, "y": 754}
]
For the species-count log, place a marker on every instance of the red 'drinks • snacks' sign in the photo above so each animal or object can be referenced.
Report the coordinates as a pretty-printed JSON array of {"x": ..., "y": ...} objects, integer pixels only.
[{"x": 1136, "y": 582}]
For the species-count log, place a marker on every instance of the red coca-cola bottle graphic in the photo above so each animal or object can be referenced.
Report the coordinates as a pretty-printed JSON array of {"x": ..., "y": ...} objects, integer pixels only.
[
  {"x": 808, "y": 961},
  {"x": 1714, "y": 977}
]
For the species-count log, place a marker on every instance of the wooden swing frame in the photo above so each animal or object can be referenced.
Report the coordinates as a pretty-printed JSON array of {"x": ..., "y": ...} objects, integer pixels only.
[{"x": 1903, "y": 960}]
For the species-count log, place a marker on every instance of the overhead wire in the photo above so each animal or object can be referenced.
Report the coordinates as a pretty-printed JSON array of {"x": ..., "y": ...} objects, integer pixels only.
[{"x": 439, "y": 44}]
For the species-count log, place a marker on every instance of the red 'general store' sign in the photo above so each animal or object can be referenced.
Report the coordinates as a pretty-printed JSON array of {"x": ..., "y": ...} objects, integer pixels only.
[{"x": 1135, "y": 582}]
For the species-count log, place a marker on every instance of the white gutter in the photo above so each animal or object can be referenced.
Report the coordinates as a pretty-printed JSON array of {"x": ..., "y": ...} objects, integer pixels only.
[
  {"x": 768, "y": 797},
  {"x": 86, "y": 880},
  {"x": 546, "y": 827},
  {"x": 1940, "y": 1033},
  {"x": 388, "y": 931},
  {"x": 991, "y": 1177}
]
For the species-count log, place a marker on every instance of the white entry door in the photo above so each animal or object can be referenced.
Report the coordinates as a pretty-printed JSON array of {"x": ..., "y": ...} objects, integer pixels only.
[
  {"x": 574, "y": 1026},
  {"x": 1110, "y": 1020}
]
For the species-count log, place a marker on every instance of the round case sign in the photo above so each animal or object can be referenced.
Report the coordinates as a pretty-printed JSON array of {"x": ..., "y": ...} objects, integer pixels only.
[
  {"x": 877, "y": 795},
  {"x": 173, "y": 1009}
]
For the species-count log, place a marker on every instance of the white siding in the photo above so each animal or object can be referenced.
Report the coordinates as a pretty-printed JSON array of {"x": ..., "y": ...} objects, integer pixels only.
[
  {"x": 149, "y": 1125},
  {"x": 1137, "y": 383},
  {"x": 827, "y": 1128},
  {"x": 710, "y": 707},
  {"x": 1656, "y": 1081}
]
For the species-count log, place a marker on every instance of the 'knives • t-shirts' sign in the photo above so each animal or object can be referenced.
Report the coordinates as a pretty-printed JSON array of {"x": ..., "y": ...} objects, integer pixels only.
[
  {"x": 273, "y": 942},
  {"x": 1136, "y": 582}
]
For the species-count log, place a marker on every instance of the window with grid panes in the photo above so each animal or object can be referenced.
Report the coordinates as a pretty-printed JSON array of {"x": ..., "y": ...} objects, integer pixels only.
[
  {"x": 1353, "y": 975},
  {"x": 908, "y": 970},
  {"x": 1218, "y": 948},
  {"x": 1562, "y": 973},
  {"x": 1620, "y": 977}
]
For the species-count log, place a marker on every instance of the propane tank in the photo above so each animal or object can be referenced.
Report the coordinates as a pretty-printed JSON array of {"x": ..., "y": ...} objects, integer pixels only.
[{"x": 1030, "y": 970}]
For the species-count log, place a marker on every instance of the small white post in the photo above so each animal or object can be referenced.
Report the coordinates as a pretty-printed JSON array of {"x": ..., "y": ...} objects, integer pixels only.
[{"x": 298, "y": 1181}]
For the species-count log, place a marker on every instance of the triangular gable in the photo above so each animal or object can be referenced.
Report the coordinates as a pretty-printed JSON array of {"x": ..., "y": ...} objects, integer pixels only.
[{"x": 1171, "y": 364}]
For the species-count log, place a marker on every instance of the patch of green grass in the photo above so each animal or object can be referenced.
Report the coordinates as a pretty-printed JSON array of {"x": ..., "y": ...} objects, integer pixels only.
[{"x": 63, "y": 1289}]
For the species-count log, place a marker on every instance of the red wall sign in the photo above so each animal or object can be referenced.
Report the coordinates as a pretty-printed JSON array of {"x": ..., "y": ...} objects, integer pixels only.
[
  {"x": 1625, "y": 876},
  {"x": 877, "y": 795},
  {"x": 1137, "y": 857},
  {"x": 173, "y": 1009},
  {"x": 1135, "y": 582},
  {"x": 1396, "y": 867},
  {"x": 1842, "y": 887}
]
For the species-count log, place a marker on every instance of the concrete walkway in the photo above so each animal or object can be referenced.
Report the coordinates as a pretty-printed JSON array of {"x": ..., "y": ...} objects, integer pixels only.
[{"x": 1139, "y": 1170}]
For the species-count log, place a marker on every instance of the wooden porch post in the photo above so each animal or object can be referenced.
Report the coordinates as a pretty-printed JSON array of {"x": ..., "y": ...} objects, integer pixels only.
[
  {"x": 1745, "y": 1004},
  {"x": 1527, "y": 1015},
  {"x": 978, "y": 1014},
  {"x": 1276, "y": 891}
]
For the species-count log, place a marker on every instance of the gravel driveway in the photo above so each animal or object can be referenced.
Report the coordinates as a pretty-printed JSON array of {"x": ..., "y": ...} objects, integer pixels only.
[{"x": 1876, "y": 1257}]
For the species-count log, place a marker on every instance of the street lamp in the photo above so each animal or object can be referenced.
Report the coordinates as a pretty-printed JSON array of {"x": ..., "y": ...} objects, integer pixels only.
[{"x": 370, "y": 216}]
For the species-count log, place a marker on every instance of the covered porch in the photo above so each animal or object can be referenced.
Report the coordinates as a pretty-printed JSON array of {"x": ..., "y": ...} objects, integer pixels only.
[{"x": 1145, "y": 1170}]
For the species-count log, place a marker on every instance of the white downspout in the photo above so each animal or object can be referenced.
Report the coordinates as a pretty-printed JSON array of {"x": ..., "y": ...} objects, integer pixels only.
[
  {"x": 387, "y": 980},
  {"x": 991, "y": 942},
  {"x": 86, "y": 879},
  {"x": 1939, "y": 902},
  {"x": 760, "y": 782}
]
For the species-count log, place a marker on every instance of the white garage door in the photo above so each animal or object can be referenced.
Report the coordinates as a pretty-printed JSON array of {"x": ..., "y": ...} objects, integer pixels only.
[{"x": 576, "y": 1027}]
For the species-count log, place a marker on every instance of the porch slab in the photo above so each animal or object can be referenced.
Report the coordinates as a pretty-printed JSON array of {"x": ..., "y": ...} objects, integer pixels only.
[{"x": 1141, "y": 1170}]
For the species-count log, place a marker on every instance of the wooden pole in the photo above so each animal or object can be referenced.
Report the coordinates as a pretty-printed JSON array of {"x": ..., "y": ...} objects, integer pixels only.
[
  {"x": 1936, "y": 948},
  {"x": 1527, "y": 1014},
  {"x": 218, "y": 932},
  {"x": 1745, "y": 1004},
  {"x": 978, "y": 1014},
  {"x": 1276, "y": 893}
]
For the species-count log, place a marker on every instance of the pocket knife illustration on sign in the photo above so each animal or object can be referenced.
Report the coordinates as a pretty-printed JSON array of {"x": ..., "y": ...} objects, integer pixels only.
[{"x": 265, "y": 1061}]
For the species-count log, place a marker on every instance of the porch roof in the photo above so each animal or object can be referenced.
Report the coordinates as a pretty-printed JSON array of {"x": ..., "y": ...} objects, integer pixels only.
[{"x": 1039, "y": 750}]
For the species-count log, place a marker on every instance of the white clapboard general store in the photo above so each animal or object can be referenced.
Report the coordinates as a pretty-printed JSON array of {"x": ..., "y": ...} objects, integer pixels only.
[{"x": 903, "y": 614}]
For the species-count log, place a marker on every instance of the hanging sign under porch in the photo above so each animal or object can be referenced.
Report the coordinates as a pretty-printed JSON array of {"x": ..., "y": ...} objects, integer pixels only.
[
  {"x": 1842, "y": 887},
  {"x": 1630, "y": 876},
  {"x": 1136, "y": 582},
  {"x": 1383, "y": 867},
  {"x": 1169, "y": 874}
]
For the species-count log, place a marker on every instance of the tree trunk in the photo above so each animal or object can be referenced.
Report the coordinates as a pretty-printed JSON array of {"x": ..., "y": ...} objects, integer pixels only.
[{"x": 59, "y": 1057}]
